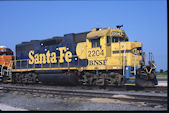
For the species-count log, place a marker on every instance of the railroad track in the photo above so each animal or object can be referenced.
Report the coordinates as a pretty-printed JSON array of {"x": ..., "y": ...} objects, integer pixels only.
[
  {"x": 156, "y": 89},
  {"x": 123, "y": 96}
]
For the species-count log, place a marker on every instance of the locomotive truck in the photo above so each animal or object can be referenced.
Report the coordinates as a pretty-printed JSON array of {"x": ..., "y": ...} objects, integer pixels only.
[{"x": 102, "y": 56}]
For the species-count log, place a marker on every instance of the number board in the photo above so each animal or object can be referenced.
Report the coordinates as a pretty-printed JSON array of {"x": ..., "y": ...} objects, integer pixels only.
[{"x": 115, "y": 33}]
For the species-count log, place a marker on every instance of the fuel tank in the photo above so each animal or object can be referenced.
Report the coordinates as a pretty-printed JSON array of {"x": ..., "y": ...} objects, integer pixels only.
[{"x": 58, "y": 78}]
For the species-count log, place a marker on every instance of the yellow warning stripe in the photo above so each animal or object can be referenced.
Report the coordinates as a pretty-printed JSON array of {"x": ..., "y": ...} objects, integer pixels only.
[
  {"x": 131, "y": 77},
  {"x": 37, "y": 69},
  {"x": 130, "y": 84}
]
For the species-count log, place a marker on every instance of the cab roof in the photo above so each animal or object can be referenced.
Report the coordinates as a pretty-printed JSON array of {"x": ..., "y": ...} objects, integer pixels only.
[{"x": 98, "y": 32}]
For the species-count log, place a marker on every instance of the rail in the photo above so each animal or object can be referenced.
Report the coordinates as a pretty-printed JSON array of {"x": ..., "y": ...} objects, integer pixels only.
[{"x": 123, "y": 96}]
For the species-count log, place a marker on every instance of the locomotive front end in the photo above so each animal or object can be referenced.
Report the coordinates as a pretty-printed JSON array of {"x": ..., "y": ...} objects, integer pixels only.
[
  {"x": 6, "y": 56},
  {"x": 114, "y": 60}
]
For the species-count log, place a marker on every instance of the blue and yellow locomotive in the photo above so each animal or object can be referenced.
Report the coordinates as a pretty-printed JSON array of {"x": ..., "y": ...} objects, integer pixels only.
[{"x": 103, "y": 56}]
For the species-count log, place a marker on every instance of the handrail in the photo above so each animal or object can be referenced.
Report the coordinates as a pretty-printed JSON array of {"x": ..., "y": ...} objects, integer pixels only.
[
  {"x": 154, "y": 67},
  {"x": 135, "y": 64},
  {"x": 124, "y": 60},
  {"x": 34, "y": 65},
  {"x": 1, "y": 70}
]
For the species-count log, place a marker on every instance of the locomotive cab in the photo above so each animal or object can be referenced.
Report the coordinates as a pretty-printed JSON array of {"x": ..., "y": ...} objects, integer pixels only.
[
  {"x": 6, "y": 55},
  {"x": 109, "y": 50}
]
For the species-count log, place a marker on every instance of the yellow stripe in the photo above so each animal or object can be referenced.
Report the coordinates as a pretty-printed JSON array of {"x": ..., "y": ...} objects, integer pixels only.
[
  {"x": 9, "y": 80},
  {"x": 130, "y": 84},
  {"x": 131, "y": 77},
  {"x": 33, "y": 69},
  {"x": 5, "y": 65}
]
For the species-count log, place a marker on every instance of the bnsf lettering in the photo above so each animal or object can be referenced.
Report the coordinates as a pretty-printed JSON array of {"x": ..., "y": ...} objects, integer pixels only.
[
  {"x": 97, "y": 62},
  {"x": 49, "y": 57}
]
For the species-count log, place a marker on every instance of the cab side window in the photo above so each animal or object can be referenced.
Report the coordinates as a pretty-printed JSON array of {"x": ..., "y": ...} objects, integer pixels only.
[
  {"x": 114, "y": 39},
  {"x": 122, "y": 40},
  {"x": 95, "y": 43},
  {"x": 126, "y": 40},
  {"x": 108, "y": 40}
]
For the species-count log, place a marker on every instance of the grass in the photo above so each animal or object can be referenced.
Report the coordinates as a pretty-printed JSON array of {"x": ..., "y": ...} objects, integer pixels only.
[{"x": 162, "y": 75}]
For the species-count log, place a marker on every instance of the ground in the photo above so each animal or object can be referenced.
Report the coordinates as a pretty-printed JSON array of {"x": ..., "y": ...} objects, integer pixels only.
[{"x": 18, "y": 101}]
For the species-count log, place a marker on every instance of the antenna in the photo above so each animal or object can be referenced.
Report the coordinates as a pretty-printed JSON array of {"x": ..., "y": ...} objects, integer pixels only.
[{"x": 119, "y": 26}]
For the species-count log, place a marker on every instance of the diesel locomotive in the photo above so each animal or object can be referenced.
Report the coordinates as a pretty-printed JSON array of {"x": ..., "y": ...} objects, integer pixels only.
[
  {"x": 102, "y": 56},
  {"x": 6, "y": 56}
]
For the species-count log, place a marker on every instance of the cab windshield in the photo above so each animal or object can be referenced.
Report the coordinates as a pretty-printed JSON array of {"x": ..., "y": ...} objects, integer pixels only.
[
  {"x": 118, "y": 39},
  {"x": 5, "y": 51}
]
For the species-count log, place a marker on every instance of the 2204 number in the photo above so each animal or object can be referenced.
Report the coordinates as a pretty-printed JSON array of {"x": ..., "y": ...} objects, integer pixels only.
[{"x": 95, "y": 53}]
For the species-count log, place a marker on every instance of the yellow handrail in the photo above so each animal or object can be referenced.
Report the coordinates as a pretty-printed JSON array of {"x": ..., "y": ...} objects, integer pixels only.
[{"x": 50, "y": 65}]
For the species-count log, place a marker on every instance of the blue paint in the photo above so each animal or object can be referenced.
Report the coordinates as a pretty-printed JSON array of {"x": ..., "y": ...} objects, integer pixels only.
[
  {"x": 22, "y": 52},
  {"x": 128, "y": 74}
]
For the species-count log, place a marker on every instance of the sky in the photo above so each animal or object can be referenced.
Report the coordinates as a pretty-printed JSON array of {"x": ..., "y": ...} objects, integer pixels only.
[{"x": 143, "y": 20}]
